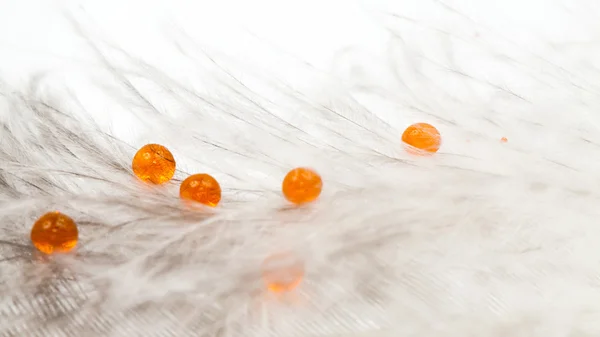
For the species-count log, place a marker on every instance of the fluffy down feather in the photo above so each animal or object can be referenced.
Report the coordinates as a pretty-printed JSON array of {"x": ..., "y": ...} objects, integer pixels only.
[{"x": 483, "y": 239}]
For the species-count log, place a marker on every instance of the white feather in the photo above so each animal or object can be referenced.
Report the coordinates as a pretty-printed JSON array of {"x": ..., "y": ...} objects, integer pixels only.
[{"x": 482, "y": 239}]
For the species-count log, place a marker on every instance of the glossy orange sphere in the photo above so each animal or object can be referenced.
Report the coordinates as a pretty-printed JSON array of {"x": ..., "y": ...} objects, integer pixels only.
[
  {"x": 282, "y": 272},
  {"x": 503, "y": 140},
  {"x": 154, "y": 163},
  {"x": 302, "y": 185},
  {"x": 423, "y": 137},
  {"x": 54, "y": 232},
  {"x": 201, "y": 188}
]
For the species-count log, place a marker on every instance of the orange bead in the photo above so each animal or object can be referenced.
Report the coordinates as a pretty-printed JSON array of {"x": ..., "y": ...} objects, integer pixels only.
[
  {"x": 154, "y": 163},
  {"x": 282, "y": 272},
  {"x": 302, "y": 185},
  {"x": 422, "y": 137},
  {"x": 503, "y": 140},
  {"x": 54, "y": 232},
  {"x": 201, "y": 188}
]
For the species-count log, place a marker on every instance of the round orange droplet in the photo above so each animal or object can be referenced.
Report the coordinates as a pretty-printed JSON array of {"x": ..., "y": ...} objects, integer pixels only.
[
  {"x": 423, "y": 137},
  {"x": 154, "y": 163},
  {"x": 201, "y": 188},
  {"x": 282, "y": 272},
  {"x": 302, "y": 185},
  {"x": 503, "y": 140},
  {"x": 54, "y": 232}
]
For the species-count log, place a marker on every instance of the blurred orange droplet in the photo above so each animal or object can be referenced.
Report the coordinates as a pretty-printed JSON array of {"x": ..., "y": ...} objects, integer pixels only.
[
  {"x": 423, "y": 137},
  {"x": 503, "y": 140},
  {"x": 282, "y": 272}
]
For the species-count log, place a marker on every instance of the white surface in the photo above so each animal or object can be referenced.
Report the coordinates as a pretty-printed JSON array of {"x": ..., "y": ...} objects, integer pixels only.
[{"x": 483, "y": 239}]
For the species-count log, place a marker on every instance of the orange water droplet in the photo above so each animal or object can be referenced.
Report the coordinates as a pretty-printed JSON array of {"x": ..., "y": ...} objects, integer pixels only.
[
  {"x": 201, "y": 188},
  {"x": 503, "y": 140},
  {"x": 54, "y": 232},
  {"x": 154, "y": 163},
  {"x": 282, "y": 272},
  {"x": 423, "y": 137},
  {"x": 302, "y": 185}
]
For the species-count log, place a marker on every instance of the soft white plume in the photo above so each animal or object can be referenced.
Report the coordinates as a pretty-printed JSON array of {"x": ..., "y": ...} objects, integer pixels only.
[{"x": 482, "y": 239}]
